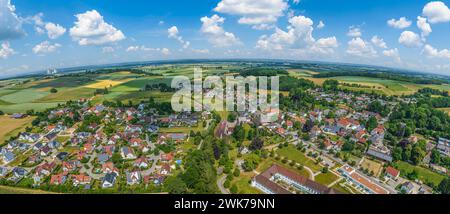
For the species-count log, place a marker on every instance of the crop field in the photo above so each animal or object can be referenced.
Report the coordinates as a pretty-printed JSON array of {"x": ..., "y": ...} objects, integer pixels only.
[
  {"x": 11, "y": 127},
  {"x": 17, "y": 190},
  {"x": 100, "y": 84}
]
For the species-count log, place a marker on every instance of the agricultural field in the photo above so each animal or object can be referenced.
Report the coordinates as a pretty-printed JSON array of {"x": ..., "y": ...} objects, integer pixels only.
[
  {"x": 377, "y": 85},
  {"x": 17, "y": 190},
  {"x": 11, "y": 127}
]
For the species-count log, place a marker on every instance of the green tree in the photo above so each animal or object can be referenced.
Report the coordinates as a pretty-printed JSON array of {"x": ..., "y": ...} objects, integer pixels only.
[
  {"x": 444, "y": 186},
  {"x": 175, "y": 185}
]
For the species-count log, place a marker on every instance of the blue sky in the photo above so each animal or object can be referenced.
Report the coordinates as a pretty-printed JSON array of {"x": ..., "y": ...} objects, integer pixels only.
[{"x": 53, "y": 33}]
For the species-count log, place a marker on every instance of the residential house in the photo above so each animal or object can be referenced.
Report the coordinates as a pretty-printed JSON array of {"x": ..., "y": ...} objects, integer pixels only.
[
  {"x": 133, "y": 177},
  {"x": 141, "y": 162},
  {"x": 443, "y": 146},
  {"x": 109, "y": 180},
  {"x": 165, "y": 169},
  {"x": 392, "y": 173},
  {"x": 19, "y": 172},
  {"x": 81, "y": 179},
  {"x": 127, "y": 153},
  {"x": 58, "y": 179}
]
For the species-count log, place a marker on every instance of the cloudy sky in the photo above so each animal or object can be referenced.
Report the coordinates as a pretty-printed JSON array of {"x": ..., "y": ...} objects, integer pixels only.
[{"x": 36, "y": 35}]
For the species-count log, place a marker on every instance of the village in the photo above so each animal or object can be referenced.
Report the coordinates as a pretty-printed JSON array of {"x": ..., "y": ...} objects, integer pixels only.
[{"x": 81, "y": 147}]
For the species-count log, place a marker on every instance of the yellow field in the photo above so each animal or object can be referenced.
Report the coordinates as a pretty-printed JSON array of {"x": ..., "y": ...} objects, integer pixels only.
[
  {"x": 11, "y": 127},
  {"x": 106, "y": 83}
]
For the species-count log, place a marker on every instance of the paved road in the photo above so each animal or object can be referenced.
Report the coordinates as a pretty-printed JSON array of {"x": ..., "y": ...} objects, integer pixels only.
[
  {"x": 155, "y": 159},
  {"x": 220, "y": 183}
]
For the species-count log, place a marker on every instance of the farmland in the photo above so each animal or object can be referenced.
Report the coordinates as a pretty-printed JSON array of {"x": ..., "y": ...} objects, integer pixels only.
[
  {"x": 11, "y": 127},
  {"x": 369, "y": 84}
]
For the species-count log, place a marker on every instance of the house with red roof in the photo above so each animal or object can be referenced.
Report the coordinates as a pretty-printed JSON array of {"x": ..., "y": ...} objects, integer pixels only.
[{"x": 391, "y": 173}]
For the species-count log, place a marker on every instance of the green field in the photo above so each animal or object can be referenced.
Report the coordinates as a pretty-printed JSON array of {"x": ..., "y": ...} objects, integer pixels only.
[
  {"x": 326, "y": 178},
  {"x": 425, "y": 175},
  {"x": 292, "y": 153},
  {"x": 377, "y": 85}
]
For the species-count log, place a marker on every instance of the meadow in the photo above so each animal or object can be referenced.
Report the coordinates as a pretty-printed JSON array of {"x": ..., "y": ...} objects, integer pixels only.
[{"x": 425, "y": 175}]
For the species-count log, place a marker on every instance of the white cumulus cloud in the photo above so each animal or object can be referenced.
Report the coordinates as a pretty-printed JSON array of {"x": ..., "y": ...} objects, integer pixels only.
[
  {"x": 401, "y": 23},
  {"x": 436, "y": 11},
  {"x": 432, "y": 52},
  {"x": 54, "y": 30},
  {"x": 10, "y": 23},
  {"x": 259, "y": 13},
  {"x": 91, "y": 29},
  {"x": 361, "y": 48},
  {"x": 297, "y": 37},
  {"x": 379, "y": 42},
  {"x": 424, "y": 26},
  {"x": 393, "y": 53},
  {"x": 45, "y": 47},
  {"x": 410, "y": 39},
  {"x": 354, "y": 31},
  {"x": 173, "y": 33},
  {"x": 320, "y": 25},
  {"x": 217, "y": 36},
  {"x": 6, "y": 50}
]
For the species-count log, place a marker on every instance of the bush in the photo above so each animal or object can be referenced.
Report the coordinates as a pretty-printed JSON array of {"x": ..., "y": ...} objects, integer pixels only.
[
  {"x": 234, "y": 189},
  {"x": 237, "y": 173}
]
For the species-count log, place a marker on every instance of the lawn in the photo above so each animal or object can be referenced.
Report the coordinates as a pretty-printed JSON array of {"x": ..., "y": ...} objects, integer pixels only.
[
  {"x": 11, "y": 127},
  {"x": 243, "y": 184},
  {"x": 326, "y": 178},
  {"x": 292, "y": 153},
  {"x": 267, "y": 163},
  {"x": 341, "y": 186},
  {"x": 185, "y": 130},
  {"x": 425, "y": 175}
]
